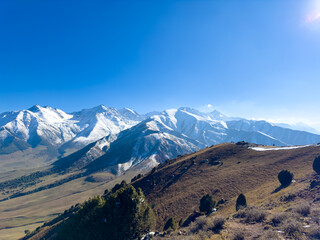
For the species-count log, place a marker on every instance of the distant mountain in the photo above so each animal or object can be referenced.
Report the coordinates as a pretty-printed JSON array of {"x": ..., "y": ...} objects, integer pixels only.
[
  {"x": 299, "y": 127},
  {"x": 174, "y": 132},
  {"x": 52, "y": 132},
  {"x": 121, "y": 139}
]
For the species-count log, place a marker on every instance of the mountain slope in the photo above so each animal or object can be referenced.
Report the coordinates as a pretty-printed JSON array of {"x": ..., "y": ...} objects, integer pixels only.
[
  {"x": 60, "y": 133},
  {"x": 175, "y": 187},
  {"x": 149, "y": 142}
]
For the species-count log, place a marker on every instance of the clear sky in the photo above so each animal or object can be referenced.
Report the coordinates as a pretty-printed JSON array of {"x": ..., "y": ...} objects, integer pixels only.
[{"x": 249, "y": 58}]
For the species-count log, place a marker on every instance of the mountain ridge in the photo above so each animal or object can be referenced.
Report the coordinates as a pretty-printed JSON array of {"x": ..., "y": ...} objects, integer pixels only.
[{"x": 130, "y": 138}]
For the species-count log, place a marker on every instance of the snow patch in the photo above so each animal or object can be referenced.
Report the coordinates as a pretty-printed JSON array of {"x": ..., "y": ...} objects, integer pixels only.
[{"x": 260, "y": 149}]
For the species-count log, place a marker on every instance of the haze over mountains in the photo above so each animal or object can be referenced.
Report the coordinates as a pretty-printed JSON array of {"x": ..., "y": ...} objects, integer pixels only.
[{"x": 120, "y": 139}]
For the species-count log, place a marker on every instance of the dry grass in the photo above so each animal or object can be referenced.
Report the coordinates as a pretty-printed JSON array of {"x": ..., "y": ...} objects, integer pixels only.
[
  {"x": 251, "y": 214},
  {"x": 303, "y": 209},
  {"x": 292, "y": 228},
  {"x": 271, "y": 235},
  {"x": 176, "y": 187},
  {"x": 207, "y": 224},
  {"x": 279, "y": 218}
]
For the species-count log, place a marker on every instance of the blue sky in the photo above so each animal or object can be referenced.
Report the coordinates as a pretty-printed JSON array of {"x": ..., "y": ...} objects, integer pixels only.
[{"x": 249, "y": 58}]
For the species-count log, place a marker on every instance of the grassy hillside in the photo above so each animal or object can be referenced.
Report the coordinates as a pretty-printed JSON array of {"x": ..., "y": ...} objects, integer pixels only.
[{"x": 175, "y": 188}]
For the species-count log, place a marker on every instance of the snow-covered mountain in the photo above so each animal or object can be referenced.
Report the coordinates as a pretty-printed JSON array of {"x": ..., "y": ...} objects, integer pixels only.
[
  {"x": 121, "y": 139},
  {"x": 58, "y": 130}
]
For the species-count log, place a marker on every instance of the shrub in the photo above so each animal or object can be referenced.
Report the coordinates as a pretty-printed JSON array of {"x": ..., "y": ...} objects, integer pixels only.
[
  {"x": 170, "y": 224},
  {"x": 314, "y": 183},
  {"x": 199, "y": 224},
  {"x": 218, "y": 223},
  {"x": 292, "y": 228},
  {"x": 241, "y": 202},
  {"x": 207, "y": 204},
  {"x": 316, "y": 165},
  {"x": 303, "y": 209},
  {"x": 251, "y": 214},
  {"x": 314, "y": 233},
  {"x": 270, "y": 235},
  {"x": 27, "y": 232},
  {"x": 206, "y": 224},
  {"x": 285, "y": 178},
  {"x": 254, "y": 214},
  {"x": 239, "y": 235},
  {"x": 278, "y": 218},
  {"x": 288, "y": 197}
]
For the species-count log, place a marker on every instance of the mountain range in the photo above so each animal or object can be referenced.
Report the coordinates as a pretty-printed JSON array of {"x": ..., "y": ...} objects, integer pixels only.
[{"x": 118, "y": 139}]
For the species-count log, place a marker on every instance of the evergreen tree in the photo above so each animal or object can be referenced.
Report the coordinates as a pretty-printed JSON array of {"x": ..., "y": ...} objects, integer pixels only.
[
  {"x": 125, "y": 214},
  {"x": 285, "y": 178},
  {"x": 316, "y": 165},
  {"x": 241, "y": 202},
  {"x": 207, "y": 204},
  {"x": 170, "y": 224}
]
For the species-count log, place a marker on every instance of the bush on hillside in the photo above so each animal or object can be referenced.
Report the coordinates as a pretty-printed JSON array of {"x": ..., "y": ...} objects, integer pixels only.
[
  {"x": 170, "y": 224},
  {"x": 303, "y": 209},
  {"x": 239, "y": 234},
  {"x": 199, "y": 224},
  {"x": 316, "y": 165},
  {"x": 314, "y": 232},
  {"x": 251, "y": 214},
  {"x": 285, "y": 178},
  {"x": 270, "y": 235},
  {"x": 278, "y": 218},
  {"x": 207, "y": 224},
  {"x": 241, "y": 202},
  {"x": 288, "y": 197},
  {"x": 207, "y": 204},
  {"x": 217, "y": 224},
  {"x": 292, "y": 228}
]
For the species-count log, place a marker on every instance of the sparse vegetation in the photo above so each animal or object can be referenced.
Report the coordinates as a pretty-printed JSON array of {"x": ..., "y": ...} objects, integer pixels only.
[
  {"x": 249, "y": 222},
  {"x": 314, "y": 232},
  {"x": 24, "y": 181},
  {"x": 251, "y": 214},
  {"x": 285, "y": 178},
  {"x": 303, "y": 209},
  {"x": 239, "y": 234},
  {"x": 278, "y": 218},
  {"x": 292, "y": 228},
  {"x": 270, "y": 235},
  {"x": 288, "y": 197},
  {"x": 207, "y": 224},
  {"x": 241, "y": 202},
  {"x": 218, "y": 223}
]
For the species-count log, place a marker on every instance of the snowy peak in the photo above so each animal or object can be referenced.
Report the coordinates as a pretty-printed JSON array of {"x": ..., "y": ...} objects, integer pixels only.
[
  {"x": 131, "y": 114},
  {"x": 131, "y": 138},
  {"x": 54, "y": 127}
]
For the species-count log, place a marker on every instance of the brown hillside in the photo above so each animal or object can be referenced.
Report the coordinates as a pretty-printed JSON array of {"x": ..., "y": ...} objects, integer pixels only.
[{"x": 176, "y": 187}]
